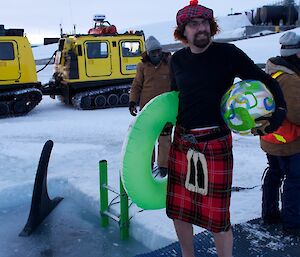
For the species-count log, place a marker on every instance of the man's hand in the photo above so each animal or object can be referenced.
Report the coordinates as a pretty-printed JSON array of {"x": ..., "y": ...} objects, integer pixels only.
[
  {"x": 269, "y": 123},
  {"x": 132, "y": 108},
  {"x": 262, "y": 123}
]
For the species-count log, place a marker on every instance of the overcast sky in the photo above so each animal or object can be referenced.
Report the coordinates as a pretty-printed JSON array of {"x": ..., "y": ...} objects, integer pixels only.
[{"x": 43, "y": 17}]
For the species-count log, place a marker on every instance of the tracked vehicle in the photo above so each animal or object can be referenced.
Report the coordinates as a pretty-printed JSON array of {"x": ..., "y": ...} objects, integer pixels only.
[
  {"x": 19, "y": 88},
  {"x": 95, "y": 70}
]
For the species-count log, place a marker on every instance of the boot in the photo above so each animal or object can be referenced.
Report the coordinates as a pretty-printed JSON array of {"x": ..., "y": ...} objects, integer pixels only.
[{"x": 272, "y": 218}]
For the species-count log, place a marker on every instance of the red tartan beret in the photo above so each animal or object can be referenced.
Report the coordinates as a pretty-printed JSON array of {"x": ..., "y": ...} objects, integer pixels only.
[{"x": 193, "y": 10}]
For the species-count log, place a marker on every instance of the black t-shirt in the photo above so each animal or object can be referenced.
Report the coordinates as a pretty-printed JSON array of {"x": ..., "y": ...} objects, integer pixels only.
[{"x": 202, "y": 80}]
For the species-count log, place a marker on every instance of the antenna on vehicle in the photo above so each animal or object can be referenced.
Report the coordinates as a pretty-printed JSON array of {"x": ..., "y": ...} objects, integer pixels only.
[{"x": 61, "y": 29}]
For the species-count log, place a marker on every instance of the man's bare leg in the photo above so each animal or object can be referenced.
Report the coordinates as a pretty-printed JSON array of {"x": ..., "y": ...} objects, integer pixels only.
[
  {"x": 184, "y": 232},
  {"x": 224, "y": 243}
]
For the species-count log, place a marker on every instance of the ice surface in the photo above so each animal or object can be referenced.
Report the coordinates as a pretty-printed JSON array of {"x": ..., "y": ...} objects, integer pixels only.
[{"x": 69, "y": 230}]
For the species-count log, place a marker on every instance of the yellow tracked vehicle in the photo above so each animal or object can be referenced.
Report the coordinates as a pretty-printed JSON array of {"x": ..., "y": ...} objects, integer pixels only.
[
  {"x": 95, "y": 70},
  {"x": 19, "y": 88}
]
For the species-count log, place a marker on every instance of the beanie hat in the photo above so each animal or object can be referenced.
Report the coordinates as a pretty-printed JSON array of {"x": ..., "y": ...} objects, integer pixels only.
[
  {"x": 152, "y": 44},
  {"x": 290, "y": 44},
  {"x": 193, "y": 10}
]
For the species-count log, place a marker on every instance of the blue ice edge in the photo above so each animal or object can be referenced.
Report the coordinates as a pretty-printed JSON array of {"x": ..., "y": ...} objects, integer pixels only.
[{"x": 21, "y": 194}]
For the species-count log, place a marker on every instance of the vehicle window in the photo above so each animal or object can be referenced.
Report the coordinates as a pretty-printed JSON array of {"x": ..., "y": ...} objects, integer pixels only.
[
  {"x": 7, "y": 51},
  {"x": 97, "y": 50},
  {"x": 131, "y": 49}
]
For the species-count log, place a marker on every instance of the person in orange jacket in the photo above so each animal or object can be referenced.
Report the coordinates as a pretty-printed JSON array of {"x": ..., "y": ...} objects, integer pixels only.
[
  {"x": 283, "y": 146},
  {"x": 152, "y": 79}
]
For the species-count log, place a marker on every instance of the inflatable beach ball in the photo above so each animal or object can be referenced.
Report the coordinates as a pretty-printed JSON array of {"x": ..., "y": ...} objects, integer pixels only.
[{"x": 243, "y": 103}]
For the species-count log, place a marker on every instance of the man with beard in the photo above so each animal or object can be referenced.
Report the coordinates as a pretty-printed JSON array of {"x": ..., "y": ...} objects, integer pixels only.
[
  {"x": 284, "y": 157},
  {"x": 200, "y": 160}
]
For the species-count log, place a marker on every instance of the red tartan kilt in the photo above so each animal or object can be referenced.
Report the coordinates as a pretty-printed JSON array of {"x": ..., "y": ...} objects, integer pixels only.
[{"x": 210, "y": 211}]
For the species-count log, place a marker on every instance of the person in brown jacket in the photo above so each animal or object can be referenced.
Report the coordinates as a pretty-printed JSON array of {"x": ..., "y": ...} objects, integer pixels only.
[
  {"x": 283, "y": 146},
  {"x": 152, "y": 79}
]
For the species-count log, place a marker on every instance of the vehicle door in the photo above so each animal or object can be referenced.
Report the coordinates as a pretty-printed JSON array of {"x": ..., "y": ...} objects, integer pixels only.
[{"x": 97, "y": 58}]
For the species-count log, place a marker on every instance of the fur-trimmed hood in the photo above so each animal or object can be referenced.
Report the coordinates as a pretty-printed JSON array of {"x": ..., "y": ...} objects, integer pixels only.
[{"x": 279, "y": 63}]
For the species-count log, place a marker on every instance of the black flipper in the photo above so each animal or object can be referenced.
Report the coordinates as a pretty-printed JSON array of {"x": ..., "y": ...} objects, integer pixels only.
[{"x": 41, "y": 204}]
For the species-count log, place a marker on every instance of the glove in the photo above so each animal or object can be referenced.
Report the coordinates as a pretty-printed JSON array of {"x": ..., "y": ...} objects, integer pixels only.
[
  {"x": 167, "y": 130},
  {"x": 132, "y": 108},
  {"x": 270, "y": 123}
]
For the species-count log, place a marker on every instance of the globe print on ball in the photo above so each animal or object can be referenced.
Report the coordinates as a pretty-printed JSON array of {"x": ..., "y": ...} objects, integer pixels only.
[{"x": 244, "y": 102}]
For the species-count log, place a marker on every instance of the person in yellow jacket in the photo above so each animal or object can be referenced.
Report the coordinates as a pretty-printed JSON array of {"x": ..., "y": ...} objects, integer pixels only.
[
  {"x": 283, "y": 146},
  {"x": 152, "y": 79}
]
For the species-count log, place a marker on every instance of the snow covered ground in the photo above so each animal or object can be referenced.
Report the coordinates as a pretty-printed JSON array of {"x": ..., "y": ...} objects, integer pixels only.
[{"x": 82, "y": 138}]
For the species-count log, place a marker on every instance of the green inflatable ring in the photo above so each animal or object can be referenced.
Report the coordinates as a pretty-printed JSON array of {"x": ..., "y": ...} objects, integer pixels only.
[{"x": 136, "y": 172}]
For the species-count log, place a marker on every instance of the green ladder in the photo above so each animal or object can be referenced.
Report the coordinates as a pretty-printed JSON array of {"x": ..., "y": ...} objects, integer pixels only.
[{"x": 123, "y": 218}]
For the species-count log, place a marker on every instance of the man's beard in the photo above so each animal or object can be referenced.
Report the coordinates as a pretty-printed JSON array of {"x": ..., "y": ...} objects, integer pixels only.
[{"x": 201, "y": 42}]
